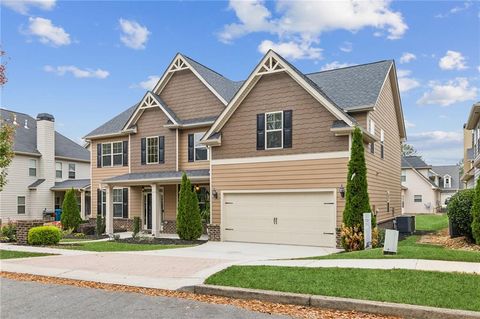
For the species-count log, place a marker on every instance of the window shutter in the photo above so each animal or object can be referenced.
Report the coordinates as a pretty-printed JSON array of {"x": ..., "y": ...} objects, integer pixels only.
[
  {"x": 287, "y": 129},
  {"x": 125, "y": 153},
  {"x": 125, "y": 203},
  {"x": 261, "y": 131},
  {"x": 99, "y": 201},
  {"x": 161, "y": 149},
  {"x": 191, "y": 148},
  {"x": 99, "y": 155},
  {"x": 143, "y": 148}
]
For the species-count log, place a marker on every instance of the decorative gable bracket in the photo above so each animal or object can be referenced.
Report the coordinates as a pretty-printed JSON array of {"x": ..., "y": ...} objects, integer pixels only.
[
  {"x": 271, "y": 65},
  {"x": 178, "y": 65}
]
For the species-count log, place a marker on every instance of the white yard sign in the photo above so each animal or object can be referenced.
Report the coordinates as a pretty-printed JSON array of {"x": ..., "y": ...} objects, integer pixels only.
[
  {"x": 391, "y": 242},
  {"x": 367, "y": 230}
]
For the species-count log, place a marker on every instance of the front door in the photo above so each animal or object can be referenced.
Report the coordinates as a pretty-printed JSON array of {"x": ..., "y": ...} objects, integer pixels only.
[{"x": 148, "y": 210}]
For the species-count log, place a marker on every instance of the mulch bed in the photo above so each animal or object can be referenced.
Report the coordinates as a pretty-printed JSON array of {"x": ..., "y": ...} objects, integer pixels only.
[
  {"x": 160, "y": 241},
  {"x": 253, "y": 305},
  {"x": 442, "y": 238}
]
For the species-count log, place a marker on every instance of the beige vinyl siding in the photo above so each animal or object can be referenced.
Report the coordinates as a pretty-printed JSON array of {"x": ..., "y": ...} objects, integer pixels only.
[
  {"x": 150, "y": 124},
  {"x": 304, "y": 174},
  {"x": 189, "y": 98},
  {"x": 361, "y": 118},
  {"x": 135, "y": 202},
  {"x": 184, "y": 164},
  {"x": 384, "y": 174},
  {"x": 170, "y": 198},
  {"x": 278, "y": 92}
]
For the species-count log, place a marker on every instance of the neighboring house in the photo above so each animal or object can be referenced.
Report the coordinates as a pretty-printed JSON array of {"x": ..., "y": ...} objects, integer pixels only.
[
  {"x": 471, "y": 147},
  {"x": 45, "y": 165},
  {"x": 426, "y": 188},
  {"x": 268, "y": 156}
]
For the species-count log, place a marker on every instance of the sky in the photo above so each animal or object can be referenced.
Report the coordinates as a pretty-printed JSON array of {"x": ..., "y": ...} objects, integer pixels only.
[{"x": 86, "y": 61}]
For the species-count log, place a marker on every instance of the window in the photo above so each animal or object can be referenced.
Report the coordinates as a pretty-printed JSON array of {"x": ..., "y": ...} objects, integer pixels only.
[
  {"x": 382, "y": 144},
  {"x": 388, "y": 201},
  {"x": 201, "y": 151},
  {"x": 371, "y": 126},
  {"x": 417, "y": 198},
  {"x": 104, "y": 202},
  {"x": 71, "y": 171},
  {"x": 58, "y": 169},
  {"x": 404, "y": 176},
  {"x": 274, "y": 130},
  {"x": 447, "y": 181},
  {"x": 372, "y": 148},
  {"x": 107, "y": 154},
  {"x": 21, "y": 205},
  {"x": 117, "y": 153},
  {"x": 32, "y": 169},
  {"x": 152, "y": 150},
  {"x": 117, "y": 202},
  {"x": 203, "y": 197}
]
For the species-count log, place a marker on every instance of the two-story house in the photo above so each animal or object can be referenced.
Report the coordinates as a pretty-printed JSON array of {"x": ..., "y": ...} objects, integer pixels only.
[
  {"x": 45, "y": 165},
  {"x": 267, "y": 155},
  {"x": 471, "y": 147}
]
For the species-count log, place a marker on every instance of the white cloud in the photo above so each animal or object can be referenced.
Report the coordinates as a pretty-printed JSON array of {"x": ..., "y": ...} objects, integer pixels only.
[
  {"x": 409, "y": 124},
  {"x": 455, "y": 10},
  {"x": 77, "y": 72},
  {"x": 134, "y": 35},
  {"x": 453, "y": 91},
  {"x": 452, "y": 60},
  {"x": 23, "y": 6},
  {"x": 303, "y": 22},
  {"x": 335, "y": 65},
  {"x": 47, "y": 32},
  {"x": 291, "y": 50},
  {"x": 346, "y": 47},
  {"x": 407, "y": 57},
  {"x": 148, "y": 84},
  {"x": 406, "y": 83},
  {"x": 438, "y": 147}
]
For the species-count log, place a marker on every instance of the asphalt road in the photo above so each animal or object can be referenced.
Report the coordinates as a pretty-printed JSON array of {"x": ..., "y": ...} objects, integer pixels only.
[{"x": 20, "y": 299}]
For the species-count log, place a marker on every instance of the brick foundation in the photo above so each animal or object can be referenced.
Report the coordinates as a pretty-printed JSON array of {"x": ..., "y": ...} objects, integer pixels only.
[
  {"x": 23, "y": 226},
  {"x": 388, "y": 224},
  {"x": 119, "y": 224},
  {"x": 213, "y": 232}
]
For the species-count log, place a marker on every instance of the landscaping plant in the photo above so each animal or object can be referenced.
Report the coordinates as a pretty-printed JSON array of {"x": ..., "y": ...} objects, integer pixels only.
[
  {"x": 9, "y": 231},
  {"x": 44, "y": 235},
  {"x": 70, "y": 212},
  {"x": 136, "y": 226},
  {"x": 459, "y": 211},
  {"x": 476, "y": 214},
  {"x": 100, "y": 228},
  {"x": 189, "y": 221}
]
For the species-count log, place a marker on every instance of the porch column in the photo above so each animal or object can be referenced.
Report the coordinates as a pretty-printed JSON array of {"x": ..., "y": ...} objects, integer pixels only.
[
  {"x": 155, "y": 208},
  {"x": 82, "y": 204},
  {"x": 109, "y": 211}
]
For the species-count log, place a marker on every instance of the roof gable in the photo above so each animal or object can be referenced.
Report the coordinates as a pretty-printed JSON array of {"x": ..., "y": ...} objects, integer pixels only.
[{"x": 414, "y": 162}]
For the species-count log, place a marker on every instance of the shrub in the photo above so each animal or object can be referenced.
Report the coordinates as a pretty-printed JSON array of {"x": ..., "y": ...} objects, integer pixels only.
[
  {"x": 476, "y": 214},
  {"x": 351, "y": 238},
  {"x": 44, "y": 235},
  {"x": 9, "y": 231},
  {"x": 80, "y": 235},
  {"x": 459, "y": 211},
  {"x": 100, "y": 227},
  {"x": 205, "y": 214},
  {"x": 189, "y": 221},
  {"x": 87, "y": 229},
  {"x": 136, "y": 226},
  {"x": 67, "y": 232},
  {"x": 70, "y": 212},
  {"x": 357, "y": 200}
]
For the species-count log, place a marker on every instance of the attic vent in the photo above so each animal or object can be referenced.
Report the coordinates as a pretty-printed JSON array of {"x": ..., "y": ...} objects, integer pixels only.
[{"x": 271, "y": 65}]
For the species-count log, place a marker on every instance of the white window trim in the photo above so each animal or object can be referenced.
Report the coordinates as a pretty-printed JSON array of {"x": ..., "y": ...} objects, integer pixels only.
[
  {"x": 445, "y": 181},
  {"x": 274, "y": 130},
  {"x": 114, "y": 202},
  {"x": 24, "y": 205},
  {"x": 199, "y": 146},
  {"x": 112, "y": 153},
  {"x": 421, "y": 198},
  {"x": 59, "y": 170},
  {"x": 121, "y": 153},
  {"x": 146, "y": 149},
  {"x": 371, "y": 126},
  {"x": 32, "y": 160},
  {"x": 74, "y": 170}
]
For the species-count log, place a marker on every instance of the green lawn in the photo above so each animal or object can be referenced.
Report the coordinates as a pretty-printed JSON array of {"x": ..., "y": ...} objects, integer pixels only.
[
  {"x": 431, "y": 222},
  {"x": 436, "y": 289},
  {"x": 9, "y": 254},
  {"x": 117, "y": 246},
  {"x": 71, "y": 240}
]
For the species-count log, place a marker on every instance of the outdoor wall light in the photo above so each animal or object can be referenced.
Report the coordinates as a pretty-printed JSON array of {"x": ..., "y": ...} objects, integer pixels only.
[
  {"x": 341, "y": 190},
  {"x": 214, "y": 193},
  {"x": 197, "y": 188}
]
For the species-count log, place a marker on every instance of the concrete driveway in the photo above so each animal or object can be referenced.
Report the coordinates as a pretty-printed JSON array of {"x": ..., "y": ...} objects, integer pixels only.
[{"x": 165, "y": 269}]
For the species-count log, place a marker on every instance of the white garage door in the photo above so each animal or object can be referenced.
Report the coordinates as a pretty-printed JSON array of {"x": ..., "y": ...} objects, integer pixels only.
[{"x": 297, "y": 218}]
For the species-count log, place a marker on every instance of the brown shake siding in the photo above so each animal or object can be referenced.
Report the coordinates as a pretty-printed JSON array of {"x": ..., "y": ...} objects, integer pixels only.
[
  {"x": 101, "y": 173},
  {"x": 384, "y": 174},
  {"x": 189, "y": 98},
  {"x": 184, "y": 164},
  {"x": 300, "y": 174},
  {"x": 151, "y": 124},
  {"x": 278, "y": 92}
]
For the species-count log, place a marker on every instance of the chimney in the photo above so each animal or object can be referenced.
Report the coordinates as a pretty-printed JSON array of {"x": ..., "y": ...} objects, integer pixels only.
[{"x": 46, "y": 147}]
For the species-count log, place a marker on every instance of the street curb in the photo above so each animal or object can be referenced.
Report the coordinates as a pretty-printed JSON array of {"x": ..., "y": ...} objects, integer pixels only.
[{"x": 377, "y": 307}]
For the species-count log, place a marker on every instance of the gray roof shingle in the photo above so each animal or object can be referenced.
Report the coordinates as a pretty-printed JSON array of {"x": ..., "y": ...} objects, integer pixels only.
[
  {"x": 71, "y": 183},
  {"x": 414, "y": 161},
  {"x": 35, "y": 184},
  {"x": 158, "y": 175},
  {"x": 26, "y": 138},
  {"x": 453, "y": 171},
  {"x": 114, "y": 125}
]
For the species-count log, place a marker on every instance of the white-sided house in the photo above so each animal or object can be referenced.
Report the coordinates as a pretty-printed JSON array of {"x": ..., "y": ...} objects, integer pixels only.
[
  {"x": 45, "y": 165},
  {"x": 420, "y": 193},
  {"x": 448, "y": 181}
]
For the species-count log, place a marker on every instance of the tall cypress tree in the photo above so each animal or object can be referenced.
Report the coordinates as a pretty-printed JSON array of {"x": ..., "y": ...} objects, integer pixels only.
[
  {"x": 189, "y": 221},
  {"x": 70, "y": 213},
  {"x": 357, "y": 201},
  {"x": 476, "y": 214}
]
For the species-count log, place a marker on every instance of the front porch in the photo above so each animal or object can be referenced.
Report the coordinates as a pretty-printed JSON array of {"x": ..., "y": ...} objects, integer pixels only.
[
  {"x": 82, "y": 194},
  {"x": 153, "y": 197}
]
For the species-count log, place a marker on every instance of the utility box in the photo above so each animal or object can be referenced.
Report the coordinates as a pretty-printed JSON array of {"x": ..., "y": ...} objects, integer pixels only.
[
  {"x": 390, "y": 246},
  {"x": 405, "y": 224}
]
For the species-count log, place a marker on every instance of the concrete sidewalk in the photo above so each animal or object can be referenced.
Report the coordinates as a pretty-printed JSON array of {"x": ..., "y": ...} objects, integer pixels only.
[{"x": 413, "y": 264}]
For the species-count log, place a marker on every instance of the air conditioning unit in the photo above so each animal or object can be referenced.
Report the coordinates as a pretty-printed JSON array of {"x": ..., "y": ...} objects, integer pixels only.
[{"x": 405, "y": 224}]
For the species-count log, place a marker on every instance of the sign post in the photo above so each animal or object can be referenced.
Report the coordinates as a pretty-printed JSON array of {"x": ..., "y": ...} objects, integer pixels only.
[{"x": 367, "y": 230}]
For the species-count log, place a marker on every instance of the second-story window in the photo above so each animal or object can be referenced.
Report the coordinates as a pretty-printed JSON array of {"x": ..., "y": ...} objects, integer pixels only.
[
  {"x": 58, "y": 170},
  {"x": 32, "y": 168},
  {"x": 117, "y": 153},
  {"x": 382, "y": 144},
  {"x": 107, "y": 154},
  {"x": 404, "y": 176},
  {"x": 201, "y": 151},
  {"x": 274, "y": 130},
  {"x": 71, "y": 171},
  {"x": 447, "y": 181},
  {"x": 152, "y": 150}
]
